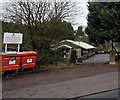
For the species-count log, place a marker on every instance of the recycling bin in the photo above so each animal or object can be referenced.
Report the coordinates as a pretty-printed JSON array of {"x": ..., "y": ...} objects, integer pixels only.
[
  {"x": 28, "y": 59},
  {"x": 9, "y": 61}
]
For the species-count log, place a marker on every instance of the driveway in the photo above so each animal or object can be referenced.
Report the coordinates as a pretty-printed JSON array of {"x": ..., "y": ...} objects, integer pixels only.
[{"x": 98, "y": 58}]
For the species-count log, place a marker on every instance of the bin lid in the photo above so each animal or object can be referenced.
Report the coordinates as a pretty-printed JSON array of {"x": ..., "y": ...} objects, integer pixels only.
[
  {"x": 11, "y": 52},
  {"x": 27, "y": 53},
  {"x": 8, "y": 54}
]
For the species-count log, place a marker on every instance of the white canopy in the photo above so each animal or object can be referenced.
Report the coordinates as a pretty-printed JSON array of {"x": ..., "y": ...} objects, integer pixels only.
[
  {"x": 81, "y": 44},
  {"x": 65, "y": 46}
]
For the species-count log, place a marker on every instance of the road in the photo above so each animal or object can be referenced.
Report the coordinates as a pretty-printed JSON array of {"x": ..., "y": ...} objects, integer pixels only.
[
  {"x": 68, "y": 89},
  {"x": 106, "y": 94}
]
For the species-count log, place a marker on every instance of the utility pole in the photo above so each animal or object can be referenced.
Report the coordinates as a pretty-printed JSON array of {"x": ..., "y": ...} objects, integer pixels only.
[{"x": 0, "y": 58}]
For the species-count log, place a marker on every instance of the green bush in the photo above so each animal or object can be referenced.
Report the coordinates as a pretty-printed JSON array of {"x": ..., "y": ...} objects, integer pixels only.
[
  {"x": 49, "y": 57},
  {"x": 73, "y": 57}
]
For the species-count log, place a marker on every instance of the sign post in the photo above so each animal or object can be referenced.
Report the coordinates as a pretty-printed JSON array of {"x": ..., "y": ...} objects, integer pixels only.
[
  {"x": 18, "y": 47},
  {"x": 12, "y": 38},
  {"x": 5, "y": 47}
]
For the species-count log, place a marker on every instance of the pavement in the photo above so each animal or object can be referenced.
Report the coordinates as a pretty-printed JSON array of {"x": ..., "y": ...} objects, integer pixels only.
[{"x": 68, "y": 89}]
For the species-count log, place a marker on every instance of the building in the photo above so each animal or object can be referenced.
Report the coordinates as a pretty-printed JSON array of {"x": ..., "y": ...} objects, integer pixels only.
[{"x": 82, "y": 49}]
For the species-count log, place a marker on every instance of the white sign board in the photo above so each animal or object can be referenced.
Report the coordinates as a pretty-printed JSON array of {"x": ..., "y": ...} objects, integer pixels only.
[{"x": 13, "y": 38}]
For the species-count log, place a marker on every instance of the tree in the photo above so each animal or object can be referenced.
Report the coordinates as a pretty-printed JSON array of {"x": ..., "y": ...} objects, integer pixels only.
[
  {"x": 37, "y": 17},
  {"x": 79, "y": 31},
  {"x": 103, "y": 22},
  {"x": 18, "y": 28},
  {"x": 63, "y": 10},
  {"x": 42, "y": 24},
  {"x": 46, "y": 34}
]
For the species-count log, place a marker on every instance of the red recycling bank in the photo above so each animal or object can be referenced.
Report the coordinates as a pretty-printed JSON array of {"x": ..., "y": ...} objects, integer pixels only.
[{"x": 16, "y": 60}]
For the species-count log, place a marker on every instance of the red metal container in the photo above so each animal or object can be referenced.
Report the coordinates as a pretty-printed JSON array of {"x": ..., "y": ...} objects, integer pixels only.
[
  {"x": 9, "y": 61},
  {"x": 16, "y": 60},
  {"x": 28, "y": 59}
]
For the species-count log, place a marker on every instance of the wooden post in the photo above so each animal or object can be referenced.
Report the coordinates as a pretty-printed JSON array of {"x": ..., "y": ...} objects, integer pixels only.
[
  {"x": 18, "y": 47},
  {"x": 70, "y": 53},
  {"x": 112, "y": 57},
  {"x": 78, "y": 53},
  {"x": 5, "y": 47}
]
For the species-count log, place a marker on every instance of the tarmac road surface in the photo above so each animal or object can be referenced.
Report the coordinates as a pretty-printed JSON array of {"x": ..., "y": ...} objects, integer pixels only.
[
  {"x": 68, "y": 89},
  {"x": 106, "y": 94}
]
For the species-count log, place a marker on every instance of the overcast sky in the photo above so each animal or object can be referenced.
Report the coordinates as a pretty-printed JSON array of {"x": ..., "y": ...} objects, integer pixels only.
[{"x": 80, "y": 19}]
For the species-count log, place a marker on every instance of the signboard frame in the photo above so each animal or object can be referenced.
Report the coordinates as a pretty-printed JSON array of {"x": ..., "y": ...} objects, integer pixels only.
[{"x": 12, "y": 38}]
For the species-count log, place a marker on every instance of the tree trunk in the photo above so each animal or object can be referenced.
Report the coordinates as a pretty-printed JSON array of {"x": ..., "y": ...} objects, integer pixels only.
[{"x": 32, "y": 38}]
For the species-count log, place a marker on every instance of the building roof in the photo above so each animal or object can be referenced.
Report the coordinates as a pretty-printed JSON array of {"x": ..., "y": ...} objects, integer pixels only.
[
  {"x": 67, "y": 46},
  {"x": 77, "y": 44}
]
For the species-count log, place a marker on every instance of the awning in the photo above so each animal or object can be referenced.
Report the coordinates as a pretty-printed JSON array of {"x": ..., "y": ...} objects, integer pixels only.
[
  {"x": 79, "y": 44},
  {"x": 66, "y": 46}
]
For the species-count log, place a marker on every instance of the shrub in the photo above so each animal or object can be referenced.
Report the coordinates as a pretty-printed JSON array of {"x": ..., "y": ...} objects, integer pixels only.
[
  {"x": 73, "y": 57},
  {"x": 49, "y": 57}
]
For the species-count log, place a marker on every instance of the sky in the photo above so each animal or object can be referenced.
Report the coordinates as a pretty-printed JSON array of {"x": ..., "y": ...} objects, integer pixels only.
[{"x": 79, "y": 20}]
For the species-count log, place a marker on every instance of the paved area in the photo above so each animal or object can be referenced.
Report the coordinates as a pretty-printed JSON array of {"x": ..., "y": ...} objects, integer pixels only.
[
  {"x": 98, "y": 58},
  {"x": 68, "y": 89}
]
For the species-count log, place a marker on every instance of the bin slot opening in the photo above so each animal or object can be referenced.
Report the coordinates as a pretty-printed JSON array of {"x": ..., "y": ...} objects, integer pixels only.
[{"x": 12, "y": 58}]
